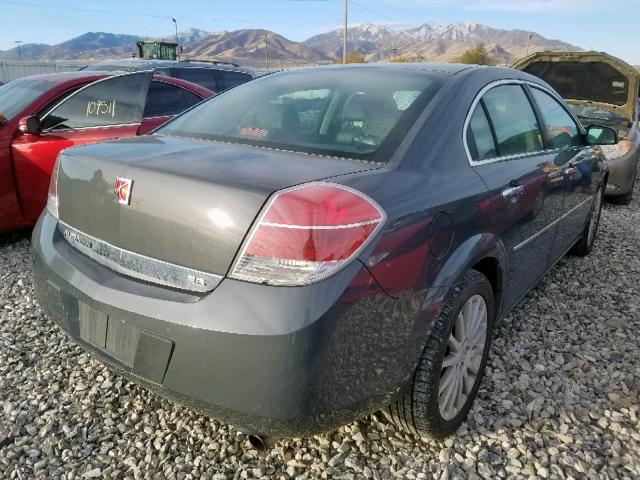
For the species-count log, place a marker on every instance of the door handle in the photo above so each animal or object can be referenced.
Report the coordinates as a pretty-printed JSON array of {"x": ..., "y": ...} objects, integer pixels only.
[{"x": 512, "y": 193}]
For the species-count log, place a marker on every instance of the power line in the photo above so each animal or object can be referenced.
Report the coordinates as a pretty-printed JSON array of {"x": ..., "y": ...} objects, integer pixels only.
[
  {"x": 104, "y": 12},
  {"x": 370, "y": 10}
]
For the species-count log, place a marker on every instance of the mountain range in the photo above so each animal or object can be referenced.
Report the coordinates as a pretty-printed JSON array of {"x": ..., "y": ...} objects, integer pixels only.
[{"x": 428, "y": 42}]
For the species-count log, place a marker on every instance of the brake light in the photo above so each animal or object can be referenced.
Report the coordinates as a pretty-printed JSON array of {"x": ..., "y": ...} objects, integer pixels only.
[
  {"x": 306, "y": 234},
  {"x": 52, "y": 197}
]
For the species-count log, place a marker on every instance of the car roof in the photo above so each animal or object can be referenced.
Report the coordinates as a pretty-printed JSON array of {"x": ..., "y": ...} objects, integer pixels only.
[
  {"x": 441, "y": 68},
  {"x": 62, "y": 77},
  {"x": 143, "y": 63}
]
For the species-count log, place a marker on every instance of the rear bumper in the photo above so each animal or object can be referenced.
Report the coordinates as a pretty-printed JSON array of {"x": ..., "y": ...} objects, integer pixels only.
[{"x": 269, "y": 360}]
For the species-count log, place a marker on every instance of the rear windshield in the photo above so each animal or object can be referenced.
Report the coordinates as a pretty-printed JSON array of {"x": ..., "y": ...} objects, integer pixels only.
[
  {"x": 17, "y": 95},
  {"x": 595, "y": 81},
  {"x": 361, "y": 113}
]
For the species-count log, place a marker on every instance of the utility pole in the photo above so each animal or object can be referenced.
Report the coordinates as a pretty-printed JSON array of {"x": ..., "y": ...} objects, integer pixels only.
[
  {"x": 266, "y": 50},
  {"x": 346, "y": 32},
  {"x": 18, "y": 42},
  {"x": 529, "y": 37},
  {"x": 177, "y": 40},
  {"x": 394, "y": 50}
]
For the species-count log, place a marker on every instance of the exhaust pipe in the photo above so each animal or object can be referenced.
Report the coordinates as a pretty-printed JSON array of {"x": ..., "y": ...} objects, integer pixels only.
[{"x": 262, "y": 443}]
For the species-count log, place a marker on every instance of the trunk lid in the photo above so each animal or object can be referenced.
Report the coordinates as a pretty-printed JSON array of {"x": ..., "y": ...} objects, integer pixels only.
[
  {"x": 191, "y": 201},
  {"x": 588, "y": 79}
]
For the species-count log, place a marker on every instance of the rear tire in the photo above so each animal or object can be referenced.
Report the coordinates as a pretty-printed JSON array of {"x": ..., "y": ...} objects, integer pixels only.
[
  {"x": 584, "y": 245},
  {"x": 427, "y": 409}
]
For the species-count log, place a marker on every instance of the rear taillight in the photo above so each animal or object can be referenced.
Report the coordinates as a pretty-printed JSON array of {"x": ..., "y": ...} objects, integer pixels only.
[
  {"x": 306, "y": 234},
  {"x": 52, "y": 197}
]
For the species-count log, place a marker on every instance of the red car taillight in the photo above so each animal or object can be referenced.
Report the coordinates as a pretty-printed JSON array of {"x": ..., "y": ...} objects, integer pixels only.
[
  {"x": 306, "y": 234},
  {"x": 52, "y": 197}
]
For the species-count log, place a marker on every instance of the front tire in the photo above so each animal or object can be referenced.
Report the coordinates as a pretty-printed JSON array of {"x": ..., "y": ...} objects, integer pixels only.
[
  {"x": 584, "y": 245},
  {"x": 452, "y": 364}
]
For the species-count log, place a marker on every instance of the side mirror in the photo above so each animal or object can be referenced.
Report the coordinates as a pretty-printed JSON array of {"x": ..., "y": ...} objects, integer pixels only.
[
  {"x": 30, "y": 125},
  {"x": 601, "y": 135}
]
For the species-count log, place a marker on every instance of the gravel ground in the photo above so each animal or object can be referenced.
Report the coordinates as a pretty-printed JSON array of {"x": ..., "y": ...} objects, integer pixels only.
[{"x": 560, "y": 399}]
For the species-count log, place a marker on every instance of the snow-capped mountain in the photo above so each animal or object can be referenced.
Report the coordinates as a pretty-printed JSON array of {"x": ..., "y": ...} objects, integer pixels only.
[
  {"x": 428, "y": 42},
  {"x": 433, "y": 41}
]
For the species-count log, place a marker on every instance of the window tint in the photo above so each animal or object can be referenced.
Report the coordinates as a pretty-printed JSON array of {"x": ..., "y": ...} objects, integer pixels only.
[
  {"x": 204, "y": 77},
  {"x": 115, "y": 101},
  {"x": 479, "y": 136},
  {"x": 562, "y": 129},
  {"x": 166, "y": 99},
  {"x": 515, "y": 123},
  {"x": 318, "y": 112},
  {"x": 227, "y": 79}
]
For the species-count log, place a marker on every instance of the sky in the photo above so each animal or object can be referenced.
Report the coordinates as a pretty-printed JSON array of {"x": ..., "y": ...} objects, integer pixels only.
[{"x": 602, "y": 25}]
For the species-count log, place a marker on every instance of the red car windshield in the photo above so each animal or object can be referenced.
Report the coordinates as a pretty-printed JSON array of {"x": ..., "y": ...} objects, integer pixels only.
[{"x": 17, "y": 95}]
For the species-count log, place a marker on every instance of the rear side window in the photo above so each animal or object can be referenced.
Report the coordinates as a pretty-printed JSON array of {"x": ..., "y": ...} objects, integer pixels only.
[
  {"x": 166, "y": 99},
  {"x": 563, "y": 130},
  {"x": 227, "y": 79},
  {"x": 204, "y": 77},
  {"x": 479, "y": 136},
  {"x": 114, "y": 101},
  {"x": 514, "y": 122}
]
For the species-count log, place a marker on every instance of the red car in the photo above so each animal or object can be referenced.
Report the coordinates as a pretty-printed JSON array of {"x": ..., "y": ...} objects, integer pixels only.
[{"x": 44, "y": 114}]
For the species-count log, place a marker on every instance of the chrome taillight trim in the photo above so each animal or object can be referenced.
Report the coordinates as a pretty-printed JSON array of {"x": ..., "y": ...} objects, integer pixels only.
[{"x": 139, "y": 266}]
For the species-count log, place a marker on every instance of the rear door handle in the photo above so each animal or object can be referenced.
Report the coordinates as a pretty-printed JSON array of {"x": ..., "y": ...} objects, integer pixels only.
[{"x": 512, "y": 193}]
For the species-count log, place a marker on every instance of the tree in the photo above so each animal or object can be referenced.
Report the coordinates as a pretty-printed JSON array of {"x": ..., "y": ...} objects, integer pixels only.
[
  {"x": 404, "y": 60},
  {"x": 356, "y": 57},
  {"x": 477, "y": 55}
]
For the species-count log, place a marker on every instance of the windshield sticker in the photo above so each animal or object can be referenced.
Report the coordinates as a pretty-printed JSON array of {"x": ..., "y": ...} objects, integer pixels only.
[
  {"x": 101, "y": 108},
  {"x": 618, "y": 84},
  {"x": 253, "y": 132}
]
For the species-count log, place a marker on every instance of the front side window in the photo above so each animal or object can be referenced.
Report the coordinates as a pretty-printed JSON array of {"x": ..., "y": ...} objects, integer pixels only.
[
  {"x": 114, "y": 101},
  {"x": 563, "y": 130},
  {"x": 354, "y": 114},
  {"x": 164, "y": 99},
  {"x": 514, "y": 121}
]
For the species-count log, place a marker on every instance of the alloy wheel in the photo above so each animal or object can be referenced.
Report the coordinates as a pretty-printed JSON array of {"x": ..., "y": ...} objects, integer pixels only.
[{"x": 463, "y": 357}]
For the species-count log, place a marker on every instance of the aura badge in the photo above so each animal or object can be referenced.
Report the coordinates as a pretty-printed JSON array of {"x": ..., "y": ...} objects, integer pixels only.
[{"x": 122, "y": 191}]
